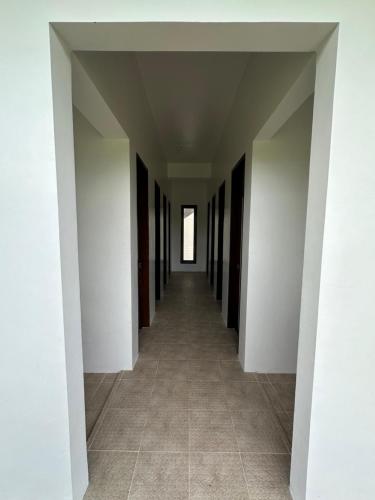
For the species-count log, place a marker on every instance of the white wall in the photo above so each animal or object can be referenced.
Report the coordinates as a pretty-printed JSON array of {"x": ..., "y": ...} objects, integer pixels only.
[
  {"x": 266, "y": 80},
  {"x": 103, "y": 213},
  {"x": 188, "y": 192},
  {"x": 127, "y": 100},
  {"x": 279, "y": 184},
  {"x": 64, "y": 150},
  {"x": 338, "y": 323}
]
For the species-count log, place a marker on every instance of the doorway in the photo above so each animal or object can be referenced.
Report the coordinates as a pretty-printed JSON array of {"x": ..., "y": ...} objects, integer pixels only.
[
  {"x": 143, "y": 244},
  {"x": 157, "y": 241},
  {"x": 212, "y": 266},
  {"x": 165, "y": 262},
  {"x": 236, "y": 216},
  {"x": 208, "y": 240},
  {"x": 169, "y": 238},
  {"x": 220, "y": 242}
]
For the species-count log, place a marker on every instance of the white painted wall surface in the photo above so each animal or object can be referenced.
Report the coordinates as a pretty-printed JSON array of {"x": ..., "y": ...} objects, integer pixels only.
[
  {"x": 188, "y": 192},
  {"x": 64, "y": 150},
  {"x": 103, "y": 194},
  {"x": 279, "y": 184},
  {"x": 127, "y": 100},
  {"x": 341, "y": 323},
  {"x": 266, "y": 80}
]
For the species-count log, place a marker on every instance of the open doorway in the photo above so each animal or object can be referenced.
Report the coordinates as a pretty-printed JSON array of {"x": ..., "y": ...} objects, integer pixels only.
[
  {"x": 220, "y": 243},
  {"x": 208, "y": 241},
  {"x": 212, "y": 259},
  {"x": 143, "y": 245},
  {"x": 165, "y": 257},
  {"x": 157, "y": 241},
  {"x": 169, "y": 239},
  {"x": 235, "y": 197},
  {"x": 236, "y": 216}
]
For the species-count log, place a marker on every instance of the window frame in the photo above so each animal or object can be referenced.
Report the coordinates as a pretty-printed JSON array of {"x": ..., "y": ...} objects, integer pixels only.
[{"x": 195, "y": 209}]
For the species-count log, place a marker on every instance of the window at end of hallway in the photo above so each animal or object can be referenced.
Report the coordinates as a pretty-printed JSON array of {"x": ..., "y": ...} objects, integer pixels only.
[{"x": 189, "y": 234}]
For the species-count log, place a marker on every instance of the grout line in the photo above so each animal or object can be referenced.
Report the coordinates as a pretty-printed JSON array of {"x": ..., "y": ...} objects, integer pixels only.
[
  {"x": 208, "y": 452},
  {"x": 203, "y": 328},
  {"x": 97, "y": 387},
  {"x": 239, "y": 453},
  {"x": 273, "y": 412},
  {"x": 142, "y": 436},
  {"x": 195, "y": 408},
  {"x": 102, "y": 413}
]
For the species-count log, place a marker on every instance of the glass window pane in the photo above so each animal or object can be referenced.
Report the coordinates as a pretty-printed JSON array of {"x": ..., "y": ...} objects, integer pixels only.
[{"x": 188, "y": 232}]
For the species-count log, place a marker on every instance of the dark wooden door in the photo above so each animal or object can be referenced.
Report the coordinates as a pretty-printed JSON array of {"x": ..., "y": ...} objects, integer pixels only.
[
  {"x": 236, "y": 216},
  {"x": 143, "y": 242},
  {"x": 212, "y": 263},
  {"x": 169, "y": 238},
  {"x": 208, "y": 239},
  {"x": 220, "y": 243},
  {"x": 164, "y": 239},
  {"x": 157, "y": 241}
]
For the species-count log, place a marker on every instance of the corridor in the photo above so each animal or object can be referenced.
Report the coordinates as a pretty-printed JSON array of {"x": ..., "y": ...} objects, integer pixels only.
[{"x": 187, "y": 422}]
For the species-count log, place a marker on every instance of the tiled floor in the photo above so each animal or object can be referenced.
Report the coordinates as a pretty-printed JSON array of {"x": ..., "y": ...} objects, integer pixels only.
[
  {"x": 97, "y": 389},
  {"x": 187, "y": 423}
]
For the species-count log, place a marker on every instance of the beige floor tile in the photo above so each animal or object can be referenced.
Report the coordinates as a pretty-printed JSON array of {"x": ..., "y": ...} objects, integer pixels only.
[
  {"x": 245, "y": 396},
  {"x": 110, "y": 377},
  {"x": 211, "y": 431},
  {"x": 175, "y": 351},
  {"x": 144, "y": 368},
  {"x": 90, "y": 389},
  {"x": 204, "y": 370},
  {"x": 272, "y": 396},
  {"x": 120, "y": 430},
  {"x": 258, "y": 432},
  {"x": 232, "y": 370},
  {"x": 91, "y": 418},
  {"x": 286, "y": 420},
  {"x": 280, "y": 378},
  {"x": 286, "y": 394},
  {"x": 166, "y": 430},
  {"x": 100, "y": 397},
  {"x": 169, "y": 393},
  {"x": 188, "y": 395},
  {"x": 93, "y": 378},
  {"x": 212, "y": 336},
  {"x": 213, "y": 351},
  {"x": 149, "y": 351},
  {"x": 217, "y": 476},
  {"x": 207, "y": 395},
  {"x": 167, "y": 336},
  {"x": 173, "y": 369},
  {"x": 267, "y": 476},
  {"x": 134, "y": 393},
  {"x": 110, "y": 475},
  {"x": 161, "y": 476}
]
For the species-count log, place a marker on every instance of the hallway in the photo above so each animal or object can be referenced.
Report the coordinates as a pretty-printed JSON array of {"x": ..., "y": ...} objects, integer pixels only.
[{"x": 187, "y": 423}]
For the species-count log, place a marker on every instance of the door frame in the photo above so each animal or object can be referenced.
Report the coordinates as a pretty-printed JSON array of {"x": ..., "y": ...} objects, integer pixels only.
[
  {"x": 157, "y": 242},
  {"x": 165, "y": 277},
  {"x": 220, "y": 242},
  {"x": 235, "y": 250},
  {"x": 212, "y": 260},
  {"x": 143, "y": 244},
  {"x": 169, "y": 238},
  {"x": 208, "y": 239}
]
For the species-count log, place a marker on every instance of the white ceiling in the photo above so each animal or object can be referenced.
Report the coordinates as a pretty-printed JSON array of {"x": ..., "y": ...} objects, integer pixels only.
[{"x": 190, "y": 96}]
